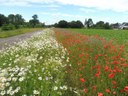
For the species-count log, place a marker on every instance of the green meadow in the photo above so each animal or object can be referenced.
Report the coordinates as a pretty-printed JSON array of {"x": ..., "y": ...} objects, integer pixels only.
[{"x": 120, "y": 36}]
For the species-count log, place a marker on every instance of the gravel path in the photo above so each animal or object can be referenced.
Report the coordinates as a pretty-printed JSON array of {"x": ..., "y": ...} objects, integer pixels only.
[{"x": 5, "y": 42}]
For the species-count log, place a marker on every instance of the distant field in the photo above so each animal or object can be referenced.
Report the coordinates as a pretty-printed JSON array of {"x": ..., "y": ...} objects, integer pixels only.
[
  {"x": 121, "y": 36},
  {"x": 4, "y": 34}
]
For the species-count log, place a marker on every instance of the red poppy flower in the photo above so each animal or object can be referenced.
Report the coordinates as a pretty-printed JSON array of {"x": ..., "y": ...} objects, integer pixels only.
[
  {"x": 119, "y": 70},
  {"x": 114, "y": 70},
  {"x": 122, "y": 59},
  {"x": 85, "y": 90},
  {"x": 126, "y": 88},
  {"x": 115, "y": 62},
  {"x": 114, "y": 87},
  {"x": 107, "y": 91},
  {"x": 82, "y": 80},
  {"x": 111, "y": 75},
  {"x": 97, "y": 74},
  {"x": 114, "y": 82},
  {"x": 98, "y": 67},
  {"x": 106, "y": 68},
  {"x": 100, "y": 94},
  {"x": 122, "y": 91}
]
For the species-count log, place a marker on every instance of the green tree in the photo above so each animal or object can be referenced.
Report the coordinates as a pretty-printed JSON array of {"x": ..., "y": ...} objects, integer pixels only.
[
  {"x": 76, "y": 24},
  {"x": 19, "y": 19},
  {"x": 63, "y": 24},
  {"x": 16, "y": 20},
  {"x": 3, "y": 20},
  {"x": 79, "y": 24},
  {"x": 11, "y": 18},
  {"x": 99, "y": 25},
  {"x": 72, "y": 24},
  {"x": 107, "y": 26},
  {"x": 88, "y": 23},
  {"x": 33, "y": 22},
  {"x": 35, "y": 17}
]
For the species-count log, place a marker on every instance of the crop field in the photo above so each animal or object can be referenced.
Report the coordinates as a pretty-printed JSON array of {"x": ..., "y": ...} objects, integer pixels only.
[
  {"x": 120, "y": 36},
  {"x": 73, "y": 62}
]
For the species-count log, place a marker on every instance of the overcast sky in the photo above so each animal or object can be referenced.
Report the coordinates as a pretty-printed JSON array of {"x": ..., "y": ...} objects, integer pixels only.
[{"x": 51, "y": 11}]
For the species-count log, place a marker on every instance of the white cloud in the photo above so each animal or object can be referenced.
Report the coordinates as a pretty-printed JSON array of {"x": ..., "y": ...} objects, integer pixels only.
[
  {"x": 59, "y": 14},
  {"x": 115, "y": 5},
  {"x": 14, "y": 3},
  {"x": 64, "y": 16},
  {"x": 17, "y": 4},
  {"x": 39, "y": 1},
  {"x": 86, "y": 10},
  {"x": 51, "y": 6}
]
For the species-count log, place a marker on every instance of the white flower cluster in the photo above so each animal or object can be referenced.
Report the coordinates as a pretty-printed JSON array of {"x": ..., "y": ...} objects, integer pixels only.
[
  {"x": 33, "y": 67},
  {"x": 11, "y": 75}
]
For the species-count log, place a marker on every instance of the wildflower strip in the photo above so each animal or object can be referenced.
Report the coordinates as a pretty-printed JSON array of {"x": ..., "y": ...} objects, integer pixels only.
[
  {"x": 34, "y": 67},
  {"x": 98, "y": 67}
]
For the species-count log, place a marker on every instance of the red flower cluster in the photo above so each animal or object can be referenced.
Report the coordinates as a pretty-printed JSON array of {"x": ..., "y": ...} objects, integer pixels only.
[{"x": 96, "y": 61}]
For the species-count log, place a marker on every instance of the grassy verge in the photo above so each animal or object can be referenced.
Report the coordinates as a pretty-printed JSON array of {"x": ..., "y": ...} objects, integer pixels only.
[{"x": 4, "y": 34}]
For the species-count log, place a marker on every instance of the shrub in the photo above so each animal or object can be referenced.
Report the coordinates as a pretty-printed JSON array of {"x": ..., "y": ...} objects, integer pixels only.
[{"x": 8, "y": 27}]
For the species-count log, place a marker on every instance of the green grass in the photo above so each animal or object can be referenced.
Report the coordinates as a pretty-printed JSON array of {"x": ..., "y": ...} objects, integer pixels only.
[
  {"x": 5, "y": 34},
  {"x": 120, "y": 36}
]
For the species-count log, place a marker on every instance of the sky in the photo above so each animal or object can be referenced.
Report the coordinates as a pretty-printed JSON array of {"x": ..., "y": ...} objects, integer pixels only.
[{"x": 52, "y": 11}]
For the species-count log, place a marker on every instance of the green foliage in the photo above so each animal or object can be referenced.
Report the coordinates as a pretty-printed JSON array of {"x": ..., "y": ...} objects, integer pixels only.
[
  {"x": 16, "y": 20},
  {"x": 8, "y": 27},
  {"x": 72, "y": 24},
  {"x": 40, "y": 25},
  {"x": 76, "y": 24},
  {"x": 107, "y": 26},
  {"x": 19, "y": 22},
  {"x": 99, "y": 25},
  {"x": 34, "y": 22},
  {"x": 3, "y": 20},
  {"x": 63, "y": 24}
]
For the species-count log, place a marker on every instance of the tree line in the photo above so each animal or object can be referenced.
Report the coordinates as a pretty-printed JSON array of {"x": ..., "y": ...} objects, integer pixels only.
[
  {"x": 12, "y": 21},
  {"x": 72, "y": 24},
  {"x": 87, "y": 24},
  {"x": 16, "y": 21}
]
